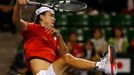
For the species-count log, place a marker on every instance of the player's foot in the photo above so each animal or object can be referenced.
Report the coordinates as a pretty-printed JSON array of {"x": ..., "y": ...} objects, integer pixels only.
[{"x": 108, "y": 63}]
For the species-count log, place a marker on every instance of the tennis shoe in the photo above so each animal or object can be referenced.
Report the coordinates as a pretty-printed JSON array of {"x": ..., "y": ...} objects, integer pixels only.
[{"x": 108, "y": 63}]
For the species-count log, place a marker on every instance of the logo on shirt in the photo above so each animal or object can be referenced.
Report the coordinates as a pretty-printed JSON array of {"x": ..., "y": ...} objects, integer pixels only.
[{"x": 55, "y": 38}]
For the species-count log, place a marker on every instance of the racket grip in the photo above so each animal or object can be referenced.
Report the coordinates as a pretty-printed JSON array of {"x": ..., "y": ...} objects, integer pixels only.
[
  {"x": 34, "y": 3},
  {"x": 38, "y": 4}
]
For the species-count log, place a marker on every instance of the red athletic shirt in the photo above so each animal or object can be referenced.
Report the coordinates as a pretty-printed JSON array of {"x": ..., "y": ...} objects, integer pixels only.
[{"x": 39, "y": 44}]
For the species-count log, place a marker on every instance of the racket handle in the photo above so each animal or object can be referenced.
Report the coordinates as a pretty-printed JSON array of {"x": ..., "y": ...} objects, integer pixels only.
[
  {"x": 34, "y": 3},
  {"x": 37, "y": 4}
]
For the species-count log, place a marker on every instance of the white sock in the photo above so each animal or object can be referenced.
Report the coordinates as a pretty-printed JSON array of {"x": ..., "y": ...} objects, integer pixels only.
[{"x": 99, "y": 66}]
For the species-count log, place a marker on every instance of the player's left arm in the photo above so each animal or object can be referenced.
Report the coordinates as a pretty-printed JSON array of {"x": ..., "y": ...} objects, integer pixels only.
[{"x": 62, "y": 48}]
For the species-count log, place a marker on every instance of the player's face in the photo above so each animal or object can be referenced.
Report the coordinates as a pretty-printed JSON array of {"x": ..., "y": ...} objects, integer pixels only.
[{"x": 48, "y": 18}]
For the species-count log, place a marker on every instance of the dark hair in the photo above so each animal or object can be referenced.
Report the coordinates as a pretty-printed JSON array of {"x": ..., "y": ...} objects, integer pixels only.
[
  {"x": 37, "y": 18},
  {"x": 91, "y": 43},
  {"x": 73, "y": 32},
  {"x": 117, "y": 28},
  {"x": 97, "y": 28}
]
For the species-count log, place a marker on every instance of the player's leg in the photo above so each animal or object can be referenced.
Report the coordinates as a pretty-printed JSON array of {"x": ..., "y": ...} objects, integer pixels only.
[
  {"x": 38, "y": 66},
  {"x": 60, "y": 64},
  {"x": 41, "y": 67},
  {"x": 107, "y": 64}
]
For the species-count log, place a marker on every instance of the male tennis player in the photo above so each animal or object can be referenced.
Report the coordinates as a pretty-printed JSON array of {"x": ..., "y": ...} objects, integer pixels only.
[{"x": 44, "y": 49}]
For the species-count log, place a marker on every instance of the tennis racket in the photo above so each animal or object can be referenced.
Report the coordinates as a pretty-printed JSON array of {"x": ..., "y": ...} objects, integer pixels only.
[{"x": 63, "y": 6}]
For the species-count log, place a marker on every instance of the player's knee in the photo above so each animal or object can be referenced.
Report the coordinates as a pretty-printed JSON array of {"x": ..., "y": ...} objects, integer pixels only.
[
  {"x": 68, "y": 58},
  {"x": 42, "y": 72}
]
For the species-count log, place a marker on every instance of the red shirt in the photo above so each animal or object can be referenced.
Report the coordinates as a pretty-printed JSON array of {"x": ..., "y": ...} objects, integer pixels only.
[{"x": 38, "y": 43}]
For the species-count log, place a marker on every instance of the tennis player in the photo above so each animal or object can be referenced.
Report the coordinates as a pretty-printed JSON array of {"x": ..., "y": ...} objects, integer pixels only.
[{"x": 45, "y": 51}]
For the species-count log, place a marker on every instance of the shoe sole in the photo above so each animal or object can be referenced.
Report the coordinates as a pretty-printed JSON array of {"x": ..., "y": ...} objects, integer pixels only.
[{"x": 112, "y": 59}]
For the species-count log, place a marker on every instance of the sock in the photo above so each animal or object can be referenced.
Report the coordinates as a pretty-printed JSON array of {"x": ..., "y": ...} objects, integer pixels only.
[{"x": 97, "y": 65}]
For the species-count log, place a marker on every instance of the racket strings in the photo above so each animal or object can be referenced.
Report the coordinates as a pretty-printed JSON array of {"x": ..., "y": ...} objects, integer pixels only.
[
  {"x": 61, "y": 6},
  {"x": 71, "y": 6}
]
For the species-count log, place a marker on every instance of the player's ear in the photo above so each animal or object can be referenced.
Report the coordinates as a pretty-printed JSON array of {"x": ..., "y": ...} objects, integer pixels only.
[{"x": 41, "y": 17}]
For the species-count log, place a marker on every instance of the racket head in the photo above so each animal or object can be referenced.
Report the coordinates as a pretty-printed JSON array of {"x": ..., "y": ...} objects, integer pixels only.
[{"x": 69, "y": 6}]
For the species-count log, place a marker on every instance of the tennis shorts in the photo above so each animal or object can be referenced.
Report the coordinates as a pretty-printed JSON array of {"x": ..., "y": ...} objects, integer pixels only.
[{"x": 49, "y": 71}]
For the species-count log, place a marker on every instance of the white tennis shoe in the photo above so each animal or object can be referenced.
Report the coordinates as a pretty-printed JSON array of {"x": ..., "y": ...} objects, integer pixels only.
[{"x": 108, "y": 63}]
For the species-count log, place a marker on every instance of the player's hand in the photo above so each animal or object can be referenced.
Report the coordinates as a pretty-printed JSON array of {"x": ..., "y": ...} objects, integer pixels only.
[
  {"x": 53, "y": 31},
  {"x": 22, "y": 2}
]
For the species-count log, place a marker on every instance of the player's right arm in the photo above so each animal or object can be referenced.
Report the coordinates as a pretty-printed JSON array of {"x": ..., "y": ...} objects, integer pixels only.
[{"x": 16, "y": 18}]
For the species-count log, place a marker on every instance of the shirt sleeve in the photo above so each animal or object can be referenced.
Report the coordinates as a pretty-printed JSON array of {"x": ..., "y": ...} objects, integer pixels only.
[{"x": 28, "y": 27}]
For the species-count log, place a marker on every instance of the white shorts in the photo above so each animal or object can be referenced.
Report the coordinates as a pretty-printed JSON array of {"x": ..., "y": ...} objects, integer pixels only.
[{"x": 49, "y": 71}]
